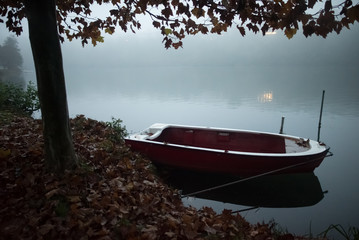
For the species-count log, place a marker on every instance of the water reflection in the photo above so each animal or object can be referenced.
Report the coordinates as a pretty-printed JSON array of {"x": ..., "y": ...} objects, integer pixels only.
[
  {"x": 266, "y": 97},
  {"x": 231, "y": 87},
  {"x": 276, "y": 191}
]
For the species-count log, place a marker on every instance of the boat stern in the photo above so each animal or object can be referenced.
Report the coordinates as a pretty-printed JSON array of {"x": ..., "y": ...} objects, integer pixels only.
[{"x": 152, "y": 132}]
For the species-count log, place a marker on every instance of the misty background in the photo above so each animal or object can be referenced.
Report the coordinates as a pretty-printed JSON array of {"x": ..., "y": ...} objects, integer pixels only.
[
  {"x": 223, "y": 66},
  {"x": 234, "y": 82}
]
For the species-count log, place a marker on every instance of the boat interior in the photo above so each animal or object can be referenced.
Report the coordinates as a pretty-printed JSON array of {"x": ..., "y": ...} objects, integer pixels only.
[{"x": 228, "y": 140}]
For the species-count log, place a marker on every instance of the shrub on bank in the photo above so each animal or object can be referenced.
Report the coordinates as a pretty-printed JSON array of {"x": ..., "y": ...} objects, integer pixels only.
[{"x": 14, "y": 98}]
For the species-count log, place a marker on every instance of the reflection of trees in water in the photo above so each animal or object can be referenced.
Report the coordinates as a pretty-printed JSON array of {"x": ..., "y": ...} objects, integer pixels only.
[{"x": 11, "y": 63}]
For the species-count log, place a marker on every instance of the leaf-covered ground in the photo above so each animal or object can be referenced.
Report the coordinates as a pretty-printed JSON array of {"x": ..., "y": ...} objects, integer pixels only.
[{"x": 112, "y": 195}]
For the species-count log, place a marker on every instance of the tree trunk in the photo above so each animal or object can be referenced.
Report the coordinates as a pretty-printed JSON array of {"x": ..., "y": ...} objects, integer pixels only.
[{"x": 46, "y": 50}]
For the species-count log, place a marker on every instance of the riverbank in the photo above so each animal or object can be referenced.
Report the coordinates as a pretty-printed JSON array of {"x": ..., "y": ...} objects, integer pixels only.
[{"x": 113, "y": 194}]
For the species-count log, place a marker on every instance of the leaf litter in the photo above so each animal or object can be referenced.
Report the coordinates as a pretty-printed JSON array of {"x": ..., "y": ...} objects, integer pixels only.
[{"x": 113, "y": 194}]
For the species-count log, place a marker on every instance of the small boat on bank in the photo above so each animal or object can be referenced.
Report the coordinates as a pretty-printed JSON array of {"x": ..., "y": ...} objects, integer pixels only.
[{"x": 228, "y": 151}]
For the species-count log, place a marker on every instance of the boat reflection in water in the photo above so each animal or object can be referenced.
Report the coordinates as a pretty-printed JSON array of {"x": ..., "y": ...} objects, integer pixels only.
[{"x": 272, "y": 191}]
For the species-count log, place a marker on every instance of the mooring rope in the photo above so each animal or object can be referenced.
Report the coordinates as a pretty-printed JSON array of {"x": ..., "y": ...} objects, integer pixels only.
[
  {"x": 243, "y": 210},
  {"x": 249, "y": 178}
]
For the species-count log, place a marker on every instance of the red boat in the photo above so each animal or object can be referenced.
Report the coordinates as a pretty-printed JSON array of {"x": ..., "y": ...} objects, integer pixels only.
[{"x": 229, "y": 151}]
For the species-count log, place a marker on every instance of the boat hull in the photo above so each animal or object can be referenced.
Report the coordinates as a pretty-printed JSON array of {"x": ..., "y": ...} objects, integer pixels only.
[
  {"x": 225, "y": 161},
  {"x": 228, "y": 151}
]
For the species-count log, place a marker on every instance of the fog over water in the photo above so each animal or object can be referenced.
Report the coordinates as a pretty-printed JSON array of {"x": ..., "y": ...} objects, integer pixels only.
[{"x": 234, "y": 82}]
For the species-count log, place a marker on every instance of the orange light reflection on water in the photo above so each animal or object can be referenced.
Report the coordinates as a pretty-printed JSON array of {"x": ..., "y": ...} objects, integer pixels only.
[{"x": 266, "y": 97}]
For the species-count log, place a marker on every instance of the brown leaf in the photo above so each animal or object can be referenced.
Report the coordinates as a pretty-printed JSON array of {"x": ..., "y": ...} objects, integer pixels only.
[
  {"x": 51, "y": 193},
  {"x": 242, "y": 31},
  {"x": 290, "y": 32},
  {"x": 30, "y": 178},
  {"x": 328, "y": 5},
  {"x": 175, "y": 2},
  {"x": 198, "y": 12},
  {"x": 311, "y": 3},
  {"x": 177, "y": 45},
  {"x": 4, "y": 153},
  {"x": 74, "y": 199},
  {"x": 170, "y": 234},
  {"x": 156, "y": 24},
  {"x": 353, "y": 14},
  {"x": 210, "y": 230},
  {"x": 46, "y": 228},
  {"x": 167, "y": 12}
]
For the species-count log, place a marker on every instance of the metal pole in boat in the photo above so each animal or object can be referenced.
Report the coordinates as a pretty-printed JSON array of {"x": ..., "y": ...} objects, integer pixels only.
[
  {"x": 281, "y": 126},
  {"x": 320, "y": 116}
]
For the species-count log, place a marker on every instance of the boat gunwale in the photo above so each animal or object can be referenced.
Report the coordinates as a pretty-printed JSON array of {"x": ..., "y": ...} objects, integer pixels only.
[{"x": 314, "y": 146}]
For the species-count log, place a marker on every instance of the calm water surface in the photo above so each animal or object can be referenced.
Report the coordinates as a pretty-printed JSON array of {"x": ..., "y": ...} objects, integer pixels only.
[{"x": 250, "y": 98}]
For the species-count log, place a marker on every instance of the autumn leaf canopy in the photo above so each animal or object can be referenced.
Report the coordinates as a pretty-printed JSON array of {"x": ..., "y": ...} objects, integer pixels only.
[{"x": 177, "y": 18}]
